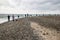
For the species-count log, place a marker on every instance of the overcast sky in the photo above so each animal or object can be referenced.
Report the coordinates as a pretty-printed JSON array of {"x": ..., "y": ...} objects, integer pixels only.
[{"x": 30, "y": 6}]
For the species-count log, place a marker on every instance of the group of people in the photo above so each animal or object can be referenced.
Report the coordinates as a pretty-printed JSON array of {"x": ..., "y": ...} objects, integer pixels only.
[{"x": 13, "y": 18}]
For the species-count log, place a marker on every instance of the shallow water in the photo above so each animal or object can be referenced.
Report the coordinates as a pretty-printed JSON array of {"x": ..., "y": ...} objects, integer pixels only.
[{"x": 2, "y": 20}]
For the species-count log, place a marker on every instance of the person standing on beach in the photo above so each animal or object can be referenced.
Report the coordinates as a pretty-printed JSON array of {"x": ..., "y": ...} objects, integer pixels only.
[
  {"x": 25, "y": 15},
  {"x": 36, "y": 14},
  {"x": 13, "y": 17},
  {"x": 18, "y": 16},
  {"x": 8, "y": 18}
]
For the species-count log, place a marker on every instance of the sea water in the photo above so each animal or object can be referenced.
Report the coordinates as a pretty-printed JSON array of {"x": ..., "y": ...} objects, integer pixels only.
[{"x": 2, "y": 20}]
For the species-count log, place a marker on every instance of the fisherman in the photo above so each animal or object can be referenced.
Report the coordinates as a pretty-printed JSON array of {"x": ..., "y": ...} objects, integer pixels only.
[
  {"x": 13, "y": 17},
  {"x": 8, "y": 18}
]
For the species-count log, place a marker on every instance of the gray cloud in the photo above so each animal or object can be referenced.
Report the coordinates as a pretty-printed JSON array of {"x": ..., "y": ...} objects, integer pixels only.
[
  {"x": 34, "y": 4},
  {"x": 49, "y": 5}
]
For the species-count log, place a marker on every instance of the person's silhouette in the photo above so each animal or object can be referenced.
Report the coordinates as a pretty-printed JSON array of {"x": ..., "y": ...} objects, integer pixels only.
[
  {"x": 25, "y": 15},
  {"x": 8, "y": 17},
  {"x": 13, "y": 17},
  {"x": 18, "y": 16}
]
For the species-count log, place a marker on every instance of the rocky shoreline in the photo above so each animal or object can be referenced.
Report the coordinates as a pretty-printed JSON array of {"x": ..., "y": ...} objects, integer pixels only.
[
  {"x": 17, "y": 30},
  {"x": 34, "y": 28}
]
